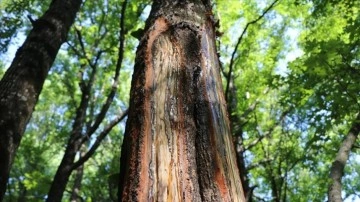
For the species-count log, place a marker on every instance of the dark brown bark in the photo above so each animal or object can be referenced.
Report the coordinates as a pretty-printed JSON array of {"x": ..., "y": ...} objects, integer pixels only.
[
  {"x": 337, "y": 168},
  {"x": 75, "y": 194},
  {"x": 177, "y": 144},
  {"x": 236, "y": 125},
  {"x": 74, "y": 144},
  {"x": 22, "y": 83}
]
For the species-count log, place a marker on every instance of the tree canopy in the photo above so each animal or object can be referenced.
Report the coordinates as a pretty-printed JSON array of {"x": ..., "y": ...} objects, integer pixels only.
[{"x": 290, "y": 72}]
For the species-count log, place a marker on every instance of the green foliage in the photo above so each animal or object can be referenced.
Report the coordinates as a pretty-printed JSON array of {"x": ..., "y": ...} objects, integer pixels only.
[
  {"x": 291, "y": 123},
  {"x": 14, "y": 15}
]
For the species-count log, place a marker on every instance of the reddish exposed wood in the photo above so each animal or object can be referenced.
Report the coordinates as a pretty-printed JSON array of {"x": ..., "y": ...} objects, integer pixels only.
[{"x": 177, "y": 144}]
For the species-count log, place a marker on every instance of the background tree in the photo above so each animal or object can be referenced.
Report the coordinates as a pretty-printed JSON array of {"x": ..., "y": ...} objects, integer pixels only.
[
  {"x": 22, "y": 83},
  {"x": 90, "y": 45},
  {"x": 328, "y": 74}
]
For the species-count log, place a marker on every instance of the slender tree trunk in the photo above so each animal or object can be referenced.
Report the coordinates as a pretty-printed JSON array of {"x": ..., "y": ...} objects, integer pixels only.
[
  {"x": 22, "y": 192},
  {"x": 77, "y": 136},
  {"x": 243, "y": 172},
  {"x": 22, "y": 83},
  {"x": 73, "y": 146},
  {"x": 177, "y": 144},
  {"x": 75, "y": 195},
  {"x": 337, "y": 168},
  {"x": 236, "y": 126}
]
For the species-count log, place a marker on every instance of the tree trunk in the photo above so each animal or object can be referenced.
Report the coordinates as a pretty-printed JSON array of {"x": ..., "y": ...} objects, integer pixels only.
[
  {"x": 236, "y": 126},
  {"x": 75, "y": 194},
  {"x": 243, "y": 172},
  {"x": 22, "y": 83},
  {"x": 337, "y": 168},
  {"x": 73, "y": 146},
  {"x": 177, "y": 144}
]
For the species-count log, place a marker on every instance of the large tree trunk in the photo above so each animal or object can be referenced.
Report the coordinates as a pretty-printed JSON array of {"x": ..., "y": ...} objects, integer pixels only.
[
  {"x": 177, "y": 144},
  {"x": 22, "y": 83},
  {"x": 337, "y": 168}
]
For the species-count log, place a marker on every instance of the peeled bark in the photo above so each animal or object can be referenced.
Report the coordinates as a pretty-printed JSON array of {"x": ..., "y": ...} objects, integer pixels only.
[
  {"x": 337, "y": 168},
  {"x": 177, "y": 144},
  {"x": 22, "y": 83}
]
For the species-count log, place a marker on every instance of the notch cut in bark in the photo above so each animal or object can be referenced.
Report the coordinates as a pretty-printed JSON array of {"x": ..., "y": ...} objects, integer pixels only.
[{"x": 177, "y": 145}]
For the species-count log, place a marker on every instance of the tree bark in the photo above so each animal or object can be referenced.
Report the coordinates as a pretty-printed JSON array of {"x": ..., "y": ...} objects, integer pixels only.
[
  {"x": 337, "y": 168},
  {"x": 22, "y": 83},
  {"x": 243, "y": 172},
  {"x": 177, "y": 144},
  {"x": 75, "y": 194}
]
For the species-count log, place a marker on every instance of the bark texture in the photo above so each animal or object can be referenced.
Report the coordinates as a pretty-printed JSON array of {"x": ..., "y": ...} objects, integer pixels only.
[
  {"x": 337, "y": 168},
  {"x": 177, "y": 144},
  {"x": 75, "y": 194},
  {"x": 22, "y": 83}
]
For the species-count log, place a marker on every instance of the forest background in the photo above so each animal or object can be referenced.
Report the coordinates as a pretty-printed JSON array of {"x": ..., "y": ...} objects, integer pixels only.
[{"x": 290, "y": 73}]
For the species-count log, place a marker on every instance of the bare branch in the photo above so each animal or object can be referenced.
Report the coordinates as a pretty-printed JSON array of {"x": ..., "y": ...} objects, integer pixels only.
[
  {"x": 260, "y": 163},
  {"x": 98, "y": 140},
  {"x": 231, "y": 66},
  {"x": 78, "y": 33},
  {"x": 111, "y": 95}
]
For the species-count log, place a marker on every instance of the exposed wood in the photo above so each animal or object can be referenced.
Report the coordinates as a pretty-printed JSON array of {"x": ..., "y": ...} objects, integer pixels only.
[{"x": 177, "y": 145}]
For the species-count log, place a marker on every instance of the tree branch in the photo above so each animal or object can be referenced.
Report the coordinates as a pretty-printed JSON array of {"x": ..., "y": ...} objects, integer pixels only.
[
  {"x": 111, "y": 95},
  {"x": 231, "y": 66},
  {"x": 98, "y": 140}
]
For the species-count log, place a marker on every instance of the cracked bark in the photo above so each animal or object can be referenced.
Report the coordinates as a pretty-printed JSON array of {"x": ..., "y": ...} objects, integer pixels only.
[{"x": 177, "y": 144}]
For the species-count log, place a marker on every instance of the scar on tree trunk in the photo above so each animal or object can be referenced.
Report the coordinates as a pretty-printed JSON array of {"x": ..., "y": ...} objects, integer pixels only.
[{"x": 177, "y": 144}]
